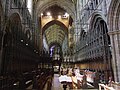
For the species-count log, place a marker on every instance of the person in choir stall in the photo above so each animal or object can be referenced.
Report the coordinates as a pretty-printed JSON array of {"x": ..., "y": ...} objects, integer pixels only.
[
  {"x": 110, "y": 81},
  {"x": 96, "y": 79},
  {"x": 84, "y": 82},
  {"x": 102, "y": 78},
  {"x": 64, "y": 71},
  {"x": 79, "y": 78},
  {"x": 70, "y": 71},
  {"x": 61, "y": 71},
  {"x": 74, "y": 81}
]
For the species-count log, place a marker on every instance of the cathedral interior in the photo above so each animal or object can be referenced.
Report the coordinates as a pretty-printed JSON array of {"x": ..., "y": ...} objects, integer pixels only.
[{"x": 44, "y": 41}]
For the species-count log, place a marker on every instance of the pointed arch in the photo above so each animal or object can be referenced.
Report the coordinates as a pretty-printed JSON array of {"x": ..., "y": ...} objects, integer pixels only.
[
  {"x": 55, "y": 22},
  {"x": 54, "y": 43},
  {"x": 114, "y": 32},
  {"x": 68, "y": 6},
  {"x": 114, "y": 15},
  {"x": 94, "y": 18}
]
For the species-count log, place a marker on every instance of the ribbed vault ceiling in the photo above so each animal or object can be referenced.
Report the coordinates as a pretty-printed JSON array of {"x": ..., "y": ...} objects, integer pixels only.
[{"x": 54, "y": 34}]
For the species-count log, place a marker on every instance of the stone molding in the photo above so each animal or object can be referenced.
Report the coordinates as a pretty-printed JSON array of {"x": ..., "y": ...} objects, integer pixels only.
[{"x": 114, "y": 32}]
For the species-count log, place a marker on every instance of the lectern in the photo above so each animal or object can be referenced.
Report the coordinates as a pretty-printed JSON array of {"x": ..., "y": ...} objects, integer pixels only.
[{"x": 65, "y": 80}]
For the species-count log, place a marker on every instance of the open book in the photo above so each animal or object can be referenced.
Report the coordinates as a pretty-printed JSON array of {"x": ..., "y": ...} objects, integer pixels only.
[{"x": 65, "y": 78}]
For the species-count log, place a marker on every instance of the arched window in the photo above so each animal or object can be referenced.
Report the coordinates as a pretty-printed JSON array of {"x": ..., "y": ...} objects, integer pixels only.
[{"x": 29, "y": 5}]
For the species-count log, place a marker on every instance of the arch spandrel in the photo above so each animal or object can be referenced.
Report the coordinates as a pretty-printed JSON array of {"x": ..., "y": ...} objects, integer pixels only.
[{"x": 45, "y": 21}]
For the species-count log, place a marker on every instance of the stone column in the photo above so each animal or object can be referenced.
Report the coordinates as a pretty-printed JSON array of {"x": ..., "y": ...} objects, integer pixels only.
[{"x": 115, "y": 46}]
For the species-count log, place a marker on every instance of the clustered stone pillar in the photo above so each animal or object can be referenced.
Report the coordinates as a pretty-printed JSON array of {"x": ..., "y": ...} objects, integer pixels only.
[{"x": 115, "y": 42}]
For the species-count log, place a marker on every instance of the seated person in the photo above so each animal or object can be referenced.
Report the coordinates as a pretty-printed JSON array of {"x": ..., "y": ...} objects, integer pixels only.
[{"x": 74, "y": 81}]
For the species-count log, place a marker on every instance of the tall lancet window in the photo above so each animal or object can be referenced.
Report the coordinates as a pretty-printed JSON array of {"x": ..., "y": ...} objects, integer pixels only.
[{"x": 29, "y": 5}]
